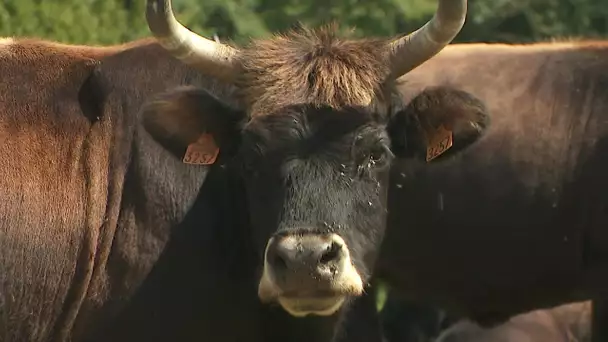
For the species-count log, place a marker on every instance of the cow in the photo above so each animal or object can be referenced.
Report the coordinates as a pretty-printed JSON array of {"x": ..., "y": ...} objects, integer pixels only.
[
  {"x": 406, "y": 321},
  {"x": 516, "y": 222},
  {"x": 247, "y": 192},
  {"x": 565, "y": 323}
]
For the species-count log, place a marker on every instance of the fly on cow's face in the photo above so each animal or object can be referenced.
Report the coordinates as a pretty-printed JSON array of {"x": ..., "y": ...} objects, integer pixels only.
[{"x": 372, "y": 152}]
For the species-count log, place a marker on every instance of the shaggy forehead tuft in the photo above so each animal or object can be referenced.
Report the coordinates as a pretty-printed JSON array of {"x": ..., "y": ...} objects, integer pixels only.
[{"x": 315, "y": 67}]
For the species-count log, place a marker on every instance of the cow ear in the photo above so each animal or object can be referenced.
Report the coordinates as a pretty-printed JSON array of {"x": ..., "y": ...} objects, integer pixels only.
[
  {"x": 192, "y": 124},
  {"x": 437, "y": 123}
]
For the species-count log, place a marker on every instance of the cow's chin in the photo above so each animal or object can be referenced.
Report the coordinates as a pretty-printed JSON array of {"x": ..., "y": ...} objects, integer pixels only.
[
  {"x": 320, "y": 302},
  {"x": 321, "y": 306}
]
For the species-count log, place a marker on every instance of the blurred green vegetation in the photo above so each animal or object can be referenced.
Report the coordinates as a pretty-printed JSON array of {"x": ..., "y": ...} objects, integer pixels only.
[
  {"x": 115, "y": 21},
  {"x": 381, "y": 295}
]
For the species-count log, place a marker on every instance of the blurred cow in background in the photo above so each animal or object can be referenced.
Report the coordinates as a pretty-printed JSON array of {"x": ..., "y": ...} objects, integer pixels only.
[{"x": 565, "y": 323}]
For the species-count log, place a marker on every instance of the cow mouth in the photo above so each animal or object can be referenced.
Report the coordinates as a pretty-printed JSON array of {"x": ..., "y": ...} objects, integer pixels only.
[
  {"x": 304, "y": 306},
  {"x": 319, "y": 288},
  {"x": 312, "y": 301}
]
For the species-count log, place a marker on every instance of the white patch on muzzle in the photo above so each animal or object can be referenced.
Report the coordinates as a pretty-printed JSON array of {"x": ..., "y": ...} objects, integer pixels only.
[
  {"x": 296, "y": 307},
  {"x": 349, "y": 283}
]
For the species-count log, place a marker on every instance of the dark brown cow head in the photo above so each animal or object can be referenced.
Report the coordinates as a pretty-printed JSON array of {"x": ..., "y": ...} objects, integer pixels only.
[{"x": 311, "y": 144}]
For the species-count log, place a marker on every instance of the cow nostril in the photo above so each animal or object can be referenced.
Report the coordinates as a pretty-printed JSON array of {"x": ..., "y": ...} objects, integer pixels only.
[
  {"x": 278, "y": 263},
  {"x": 332, "y": 253}
]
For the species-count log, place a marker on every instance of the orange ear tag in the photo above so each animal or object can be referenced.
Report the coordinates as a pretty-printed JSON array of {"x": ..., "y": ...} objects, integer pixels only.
[
  {"x": 204, "y": 151},
  {"x": 438, "y": 142}
]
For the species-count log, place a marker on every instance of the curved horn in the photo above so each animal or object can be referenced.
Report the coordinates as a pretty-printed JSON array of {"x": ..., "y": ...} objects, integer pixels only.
[
  {"x": 408, "y": 52},
  {"x": 202, "y": 53}
]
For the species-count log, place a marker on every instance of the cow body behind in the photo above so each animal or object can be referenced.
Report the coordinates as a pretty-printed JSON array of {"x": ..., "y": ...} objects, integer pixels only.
[
  {"x": 73, "y": 247},
  {"x": 565, "y": 323},
  {"x": 518, "y": 222}
]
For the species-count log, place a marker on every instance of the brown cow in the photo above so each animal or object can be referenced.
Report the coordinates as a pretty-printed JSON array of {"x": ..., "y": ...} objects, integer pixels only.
[
  {"x": 565, "y": 323},
  {"x": 518, "y": 221},
  {"x": 71, "y": 244},
  {"x": 109, "y": 234}
]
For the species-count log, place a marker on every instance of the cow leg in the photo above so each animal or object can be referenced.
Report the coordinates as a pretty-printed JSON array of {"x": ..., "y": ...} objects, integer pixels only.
[{"x": 599, "y": 330}]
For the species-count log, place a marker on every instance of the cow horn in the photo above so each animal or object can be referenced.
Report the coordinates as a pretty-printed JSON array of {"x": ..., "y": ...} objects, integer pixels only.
[
  {"x": 204, "y": 54},
  {"x": 408, "y": 52}
]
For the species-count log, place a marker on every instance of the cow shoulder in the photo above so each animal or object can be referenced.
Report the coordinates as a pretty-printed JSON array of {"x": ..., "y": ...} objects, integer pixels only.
[
  {"x": 40, "y": 77},
  {"x": 125, "y": 78},
  {"x": 125, "y": 81},
  {"x": 438, "y": 112}
]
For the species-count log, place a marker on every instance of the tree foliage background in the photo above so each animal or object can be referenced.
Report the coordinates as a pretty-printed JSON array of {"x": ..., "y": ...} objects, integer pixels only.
[{"x": 115, "y": 21}]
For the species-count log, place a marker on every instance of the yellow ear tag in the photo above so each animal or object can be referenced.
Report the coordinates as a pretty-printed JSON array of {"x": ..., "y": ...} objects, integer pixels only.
[
  {"x": 438, "y": 141},
  {"x": 204, "y": 151}
]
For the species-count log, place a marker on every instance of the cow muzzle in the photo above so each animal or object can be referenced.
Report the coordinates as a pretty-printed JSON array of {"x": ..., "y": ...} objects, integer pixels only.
[{"x": 308, "y": 273}]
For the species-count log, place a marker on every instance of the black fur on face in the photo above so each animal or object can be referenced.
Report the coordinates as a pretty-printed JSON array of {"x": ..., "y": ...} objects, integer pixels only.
[{"x": 317, "y": 170}]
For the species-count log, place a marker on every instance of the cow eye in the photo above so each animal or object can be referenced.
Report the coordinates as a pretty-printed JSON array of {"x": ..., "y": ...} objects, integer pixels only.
[
  {"x": 376, "y": 156},
  {"x": 372, "y": 153},
  {"x": 379, "y": 156}
]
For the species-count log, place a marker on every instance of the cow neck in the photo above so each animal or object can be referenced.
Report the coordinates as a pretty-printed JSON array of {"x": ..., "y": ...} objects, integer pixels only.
[{"x": 223, "y": 198}]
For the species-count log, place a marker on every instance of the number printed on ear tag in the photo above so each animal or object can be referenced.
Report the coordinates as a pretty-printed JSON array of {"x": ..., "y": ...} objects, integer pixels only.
[
  {"x": 204, "y": 151},
  {"x": 438, "y": 142}
]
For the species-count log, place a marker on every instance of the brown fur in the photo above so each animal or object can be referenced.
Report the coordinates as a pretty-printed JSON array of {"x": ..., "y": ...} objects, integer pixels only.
[
  {"x": 50, "y": 155},
  {"x": 68, "y": 260},
  {"x": 24, "y": 47},
  {"x": 313, "y": 66},
  {"x": 495, "y": 68}
]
